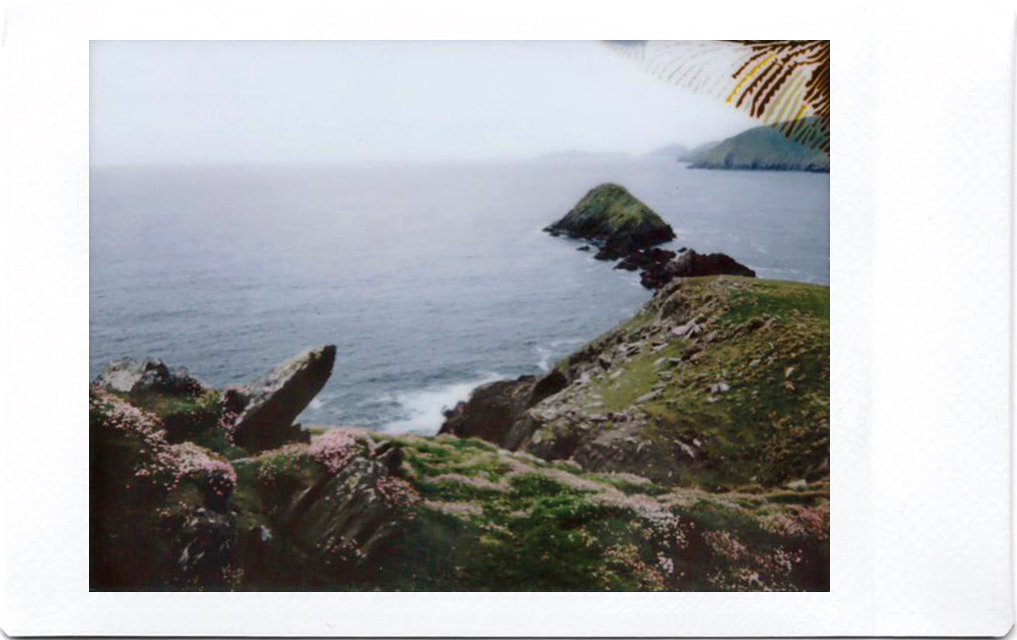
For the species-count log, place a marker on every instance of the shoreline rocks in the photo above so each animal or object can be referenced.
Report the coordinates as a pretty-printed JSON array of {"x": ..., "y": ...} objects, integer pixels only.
[
  {"x": 692, "y": 265},
  {"x": 625, "y": 229},
  {"x": 148, "y": 376}
]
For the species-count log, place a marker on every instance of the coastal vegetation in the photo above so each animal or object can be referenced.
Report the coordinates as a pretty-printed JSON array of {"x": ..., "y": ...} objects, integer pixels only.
[{"x": 696, "y": 459}]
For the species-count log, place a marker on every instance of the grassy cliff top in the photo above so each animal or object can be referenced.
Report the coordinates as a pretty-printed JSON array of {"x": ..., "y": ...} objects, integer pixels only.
[{"x": 718, "y": 382}]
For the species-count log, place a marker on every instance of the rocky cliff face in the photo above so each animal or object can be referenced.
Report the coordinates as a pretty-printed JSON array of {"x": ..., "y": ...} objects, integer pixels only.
[
  {"x": 718, "y": 382},
  {"x": 687, "y": 449}
]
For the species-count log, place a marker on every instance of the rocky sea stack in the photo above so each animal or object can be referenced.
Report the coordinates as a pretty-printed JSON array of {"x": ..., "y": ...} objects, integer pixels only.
[
  {"x": 627, "y": 230},
  {"x": 615, "y": 220}
]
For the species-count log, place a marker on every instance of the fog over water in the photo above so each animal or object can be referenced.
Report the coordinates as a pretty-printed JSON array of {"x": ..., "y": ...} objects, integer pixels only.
[{"x": 314, "y": 102}]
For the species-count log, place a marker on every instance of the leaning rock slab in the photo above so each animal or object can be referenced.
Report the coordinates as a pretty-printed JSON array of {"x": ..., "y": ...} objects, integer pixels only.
[{"x": 271, "y": 403}]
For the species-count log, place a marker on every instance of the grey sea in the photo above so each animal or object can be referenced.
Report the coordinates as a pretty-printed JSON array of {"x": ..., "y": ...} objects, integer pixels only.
[{"x": 430, "y": 279}]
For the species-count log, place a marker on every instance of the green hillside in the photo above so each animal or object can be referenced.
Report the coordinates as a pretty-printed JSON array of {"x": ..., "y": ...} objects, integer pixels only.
[{"x": 761, "y": 148}]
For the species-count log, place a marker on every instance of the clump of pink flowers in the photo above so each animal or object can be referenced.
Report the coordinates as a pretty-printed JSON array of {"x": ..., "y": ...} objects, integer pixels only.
[
  {"x": 125, "y": 417},
  {"x": 751, "y": 570},
  {"x": 627, "y": 558},
  {"x": 228, "y": 423},
  {"x": 333, "y": 449},
  {"x": 161, "y": 463},
  {"x": 338, "y": 552},
  {"x": 726, "y": 545},
  {"x": 801, "y": 521},
  {"x": 194, "y": 462},
  {"x": 397, "y": 492}
]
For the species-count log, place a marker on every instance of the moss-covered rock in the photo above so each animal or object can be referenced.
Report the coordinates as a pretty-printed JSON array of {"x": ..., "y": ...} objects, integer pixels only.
[{"x": 615, "y": 220}]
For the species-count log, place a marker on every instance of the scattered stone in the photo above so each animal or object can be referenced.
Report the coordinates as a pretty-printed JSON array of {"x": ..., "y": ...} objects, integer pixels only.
[
  {"x": 148, "y": 376},
  {"x": 653, "y": 395}
]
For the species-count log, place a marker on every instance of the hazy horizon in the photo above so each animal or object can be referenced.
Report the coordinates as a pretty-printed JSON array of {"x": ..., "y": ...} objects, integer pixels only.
[{"x": 377, "y": 102}]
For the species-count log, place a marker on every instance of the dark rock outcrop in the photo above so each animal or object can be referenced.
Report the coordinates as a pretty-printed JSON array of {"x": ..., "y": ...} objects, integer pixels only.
[
  {"x": 692, "y": 264},
  {"x": 344, "y": 520},
  {"x": 547, "y": 386},
  {"x": 148, "y": 376},
  {"x": 494, "y": 408},
  {"x": 271, "y": 403},
  {"x": 615, "y": 220},
  {"x": 491, "y": 409},
  {"x": 659, "y": 272}
]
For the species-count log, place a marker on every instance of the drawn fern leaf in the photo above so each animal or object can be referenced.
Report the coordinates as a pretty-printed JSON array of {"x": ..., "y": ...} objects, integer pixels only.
[{"x": 784, "y": 83}]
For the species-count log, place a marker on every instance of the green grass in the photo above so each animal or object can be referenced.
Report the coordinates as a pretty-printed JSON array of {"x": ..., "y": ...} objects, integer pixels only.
[
  {"x": 163, "y": 405},
  {"x": 772, "y": 425},
  {"x": 783, "y": 300}
]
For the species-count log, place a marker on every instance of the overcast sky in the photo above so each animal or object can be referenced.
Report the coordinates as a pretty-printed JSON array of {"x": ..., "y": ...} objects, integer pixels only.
[{"x": 275, "y": 101}]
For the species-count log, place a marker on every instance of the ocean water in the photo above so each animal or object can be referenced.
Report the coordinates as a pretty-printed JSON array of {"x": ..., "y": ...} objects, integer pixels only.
[{"x": 429, "y": 279}]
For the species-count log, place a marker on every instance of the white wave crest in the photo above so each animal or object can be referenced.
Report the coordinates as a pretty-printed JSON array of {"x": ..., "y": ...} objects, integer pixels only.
[{"x": 423, "y": 408}]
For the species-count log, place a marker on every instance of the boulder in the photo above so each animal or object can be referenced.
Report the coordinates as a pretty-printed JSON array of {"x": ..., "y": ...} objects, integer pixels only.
[
  {"x": 347, "y": 519},
  {"x": 491, "y": 410},
  {"x": 271, "y": 403},
  {"x": 547, "y": 386},
  {"x": 692, "y": 264},
  {"x": 148, "y": 376}
]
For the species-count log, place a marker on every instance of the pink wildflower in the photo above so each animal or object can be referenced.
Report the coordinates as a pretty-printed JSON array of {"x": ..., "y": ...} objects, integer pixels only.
[{"x": 333, "y": 449}]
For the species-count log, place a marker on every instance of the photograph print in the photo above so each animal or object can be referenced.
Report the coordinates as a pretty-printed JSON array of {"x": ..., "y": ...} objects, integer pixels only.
[{"x": 459, "y": 316}]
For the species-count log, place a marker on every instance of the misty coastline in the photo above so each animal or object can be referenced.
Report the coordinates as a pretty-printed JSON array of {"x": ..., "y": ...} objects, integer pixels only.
[{"x": 255, "y": 261}]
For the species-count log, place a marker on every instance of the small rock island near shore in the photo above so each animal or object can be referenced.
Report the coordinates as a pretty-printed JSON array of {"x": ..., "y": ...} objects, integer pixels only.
[
  {"x": 687, "y": 449},
  {"x": 615, "y": 220},
  {"x": 626, "y": 229}
]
